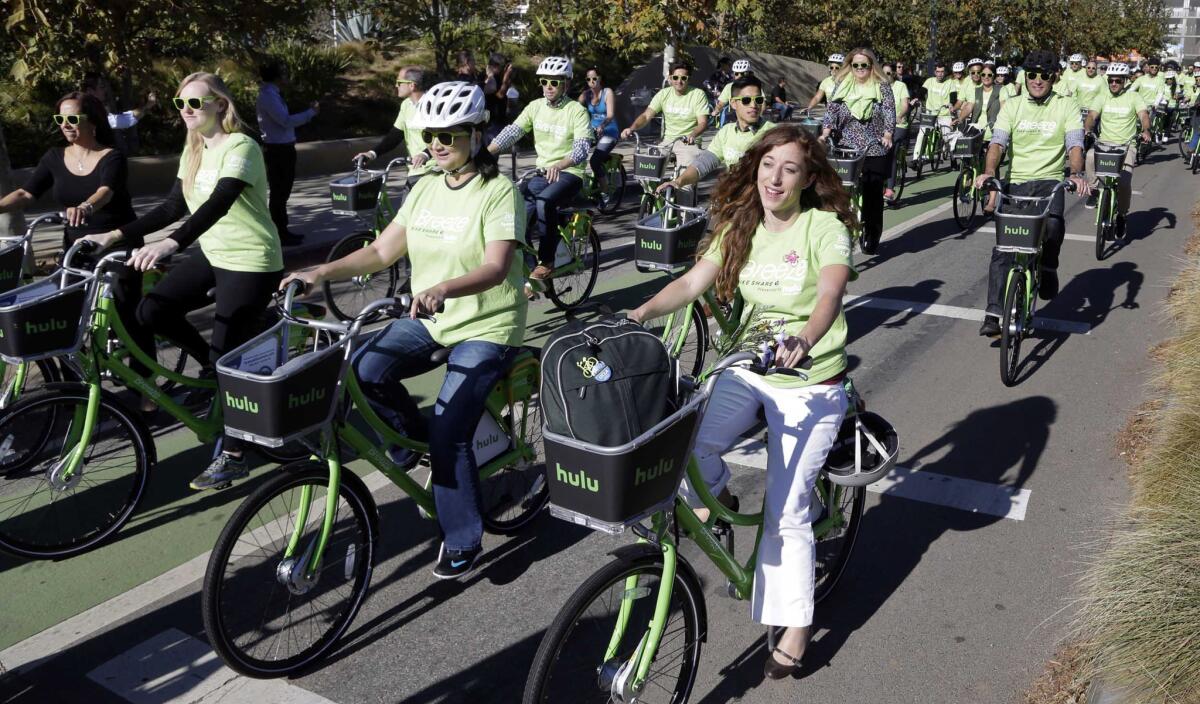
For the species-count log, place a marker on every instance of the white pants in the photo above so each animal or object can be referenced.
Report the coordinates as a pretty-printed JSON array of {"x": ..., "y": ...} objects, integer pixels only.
[{"x": 802, "y": 425}]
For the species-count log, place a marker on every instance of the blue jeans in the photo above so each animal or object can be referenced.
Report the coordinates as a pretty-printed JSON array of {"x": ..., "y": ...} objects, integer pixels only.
[
  {"x": 402, "y": 351},
  {"x": 1195, "y": 130},
  {"x": 1052, "y": 240},
  {"x": 785, "y": 111},
  {"x": 542, "y": 200}
]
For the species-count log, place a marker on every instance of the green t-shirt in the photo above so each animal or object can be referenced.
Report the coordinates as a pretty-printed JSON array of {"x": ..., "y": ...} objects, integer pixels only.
[
  {"x": 244, "y": 239},
  {"x": 1191, "y": 91},
  {"x": 780, "y": 281},
  {"x": 937, "y": 94},
  {"x": 828, "y": 84},
  {"x": 726, "y": 93},
  {"x": 731, "y": 143},
  {"x": 985, "y": 97},
  {"x": 967, "y": 88},
  {"x": 1073, "y": 78},
  {"x": 448, "y": 230},
  {"x": 1008, "y": 90},
  {"x": 900, "y": 93},
  {"x": 1088, "y": 90},
  {"x": 1149, "y": 87},
  {"x": 1119, "y": 121},
  {"x": 555, "y": 130},
  {"x": 1037, "y": 135},
  {"x": 860, "y": 98},
  {"x": 681, "y": 113},
  {"x": 406, "y": 122}
]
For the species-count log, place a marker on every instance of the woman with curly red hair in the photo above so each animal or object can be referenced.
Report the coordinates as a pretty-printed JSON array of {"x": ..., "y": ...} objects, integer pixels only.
[{"x": 781, "y": 235}]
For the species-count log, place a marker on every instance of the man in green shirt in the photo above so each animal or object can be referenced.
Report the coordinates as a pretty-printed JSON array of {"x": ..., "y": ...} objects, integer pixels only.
[
  {"x": 562, "y": 135},
  {"x": 1150, "y": 85},
  {"x": 1091, "y": 87},
  {"x": 900, "y": 133},
  {"x": 937, "y": 101},
  {"x": 734, "y": 139},
  {"x": 825, "y": 89},
  {"x": 1120, "y": 111},
  {"x": 1069, "y": 83},
  {"x": 410, "y": 86},
  {"x": 685, "y": 114},
  {"x": 741, "y": 69},
  {"x": 1041, "y": 130}
]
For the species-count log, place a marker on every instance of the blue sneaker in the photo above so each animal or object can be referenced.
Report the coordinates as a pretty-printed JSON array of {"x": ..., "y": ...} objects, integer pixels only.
[
  {"x": 403, "y": 457},
  {"x": 453, "y": 564},
  {"x": 221, "y": 473}
]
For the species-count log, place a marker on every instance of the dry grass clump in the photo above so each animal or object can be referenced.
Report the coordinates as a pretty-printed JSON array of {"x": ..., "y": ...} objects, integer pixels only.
[
  {"x": 1140, "y": 618},
  {"x": 1062, "y": 682}
]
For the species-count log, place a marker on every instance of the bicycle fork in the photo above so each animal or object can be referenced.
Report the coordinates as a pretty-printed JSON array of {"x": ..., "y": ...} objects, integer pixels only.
[
  {"x": 67, "y": 472},
  {"x": 625, "y": 680},
  {"x": 300, "y": 567}
]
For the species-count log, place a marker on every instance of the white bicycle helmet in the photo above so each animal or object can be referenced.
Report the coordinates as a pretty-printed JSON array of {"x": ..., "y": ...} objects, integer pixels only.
[
  {"x": 836, "y": 59},
  {"x": 449, "y": 104},
  {"x": 864, "y": 452},
  {"x": 1170, "y": 74},
  {"x": 742, "y": 66},
  {"x": 974, "y": 62},
  {"x": 1001, "y": 70},
  {"x": 555, "y": 67},
  {"x": 958, "y": 67},
  {"x": 1196, "y": 64},
  {"x": 1117, "y": 69},
  {"x": 1077, "y": 59}
]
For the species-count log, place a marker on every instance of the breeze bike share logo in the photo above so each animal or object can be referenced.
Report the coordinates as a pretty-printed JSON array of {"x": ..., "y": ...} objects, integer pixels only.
[{"x": 641, "y": 475}]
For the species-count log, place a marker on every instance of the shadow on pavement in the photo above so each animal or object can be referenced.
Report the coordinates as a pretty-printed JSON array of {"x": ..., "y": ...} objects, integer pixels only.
[{"x": 861, "y": 320}]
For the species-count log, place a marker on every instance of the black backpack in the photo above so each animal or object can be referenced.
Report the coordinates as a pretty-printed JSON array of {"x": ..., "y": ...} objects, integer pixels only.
[{"x": 606, "y": 383}]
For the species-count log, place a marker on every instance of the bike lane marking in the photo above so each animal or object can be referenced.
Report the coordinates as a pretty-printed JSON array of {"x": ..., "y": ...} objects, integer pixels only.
[
  {"x": 928, "y": 487},
  {"x": 175, "y": 667},
  {"x": 851, "y": 302}
]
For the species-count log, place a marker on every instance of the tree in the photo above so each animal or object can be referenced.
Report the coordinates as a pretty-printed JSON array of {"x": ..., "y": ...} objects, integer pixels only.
[{"x": 11, "y": 224}]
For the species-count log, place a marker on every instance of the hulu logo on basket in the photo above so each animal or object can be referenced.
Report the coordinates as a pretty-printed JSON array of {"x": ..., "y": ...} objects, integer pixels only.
[
  {"x": 242, "y": 404},
  {"x": 298, "y": 400},
  {"x": 663, "y": 468},
  {"x": 652, "y": 245},
  {"x": 1017, "y": 231},
  {"x": 640, "y": 475},
  {"x": 340, "y": 197},
  {"x": 32, "y": 328}
]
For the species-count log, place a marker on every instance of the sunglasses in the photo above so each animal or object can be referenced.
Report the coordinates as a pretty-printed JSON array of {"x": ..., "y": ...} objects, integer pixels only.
[
  {"x": 834, "y": 67},
  {"x": 61, "y": 120},
  {"x": 887, "y": 73},
  {"x": 552, "y": 82},
  {"x": 1039, "y": 75},
  {"x": 988, "y": 75},
  {"x": 739, "y": 74},
  {"x": 748, "y": 99},
  {"x": 593, "y": 79},
  {"x": 976, "y": 73},
  {"x": 680, "y": 79},
  {"x": 1118, "y": 81},
  {"x": 1091, "y": 68},
  {"x": 446, "y": 139},
  {"x": 193, "y": 103},
  {"x": 859, "y": 67},
  {"x": 402, "y": 81}
]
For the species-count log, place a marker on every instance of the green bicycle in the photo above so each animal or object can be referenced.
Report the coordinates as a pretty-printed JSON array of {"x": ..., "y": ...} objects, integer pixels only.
[
  {"x": 1020, "y": 227},
  {"x": 294, "y": 562},
  {"x": 649, "y": 170},
  {"x": 966, "y": 199},
  {"x": 609, "y": 198},
  {"x": 362, "y": 191},
  {"x": 933, "y": 145},
  {"x": 576, "y": 258},
  {"x": 1110, "y": 160},
  {"x": 633, "y": 631},
  {"x": 75, "y": 458},
  {"x": 848, "y": 164}
]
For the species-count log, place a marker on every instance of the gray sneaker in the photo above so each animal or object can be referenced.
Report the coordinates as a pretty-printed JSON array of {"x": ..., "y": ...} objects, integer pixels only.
[{"x": 221, "y": 473}]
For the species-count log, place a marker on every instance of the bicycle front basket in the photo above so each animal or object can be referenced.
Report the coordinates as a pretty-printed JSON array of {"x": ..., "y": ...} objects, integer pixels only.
[
  {"x": 43, "y": 319},
  {"x": 927, "y": 119},
  {"x": 667, "y": 239},
  {"x": 1108, "y": 164},
  {"x": 967, "y": 145},
  {"x": 609, "y": 488},
  {"x": 848, "y": 168},
  {"x": 12, "y": 259},
  {"x": 280, "y": 385},
  {"x": 650, "y": 166},
  {"x": 356, "y": 191},
  {"x": 1019, "y": 233}
]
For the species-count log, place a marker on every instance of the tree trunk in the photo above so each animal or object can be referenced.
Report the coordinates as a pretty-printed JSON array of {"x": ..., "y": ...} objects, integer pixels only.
[{"x": 11, "y": 224}]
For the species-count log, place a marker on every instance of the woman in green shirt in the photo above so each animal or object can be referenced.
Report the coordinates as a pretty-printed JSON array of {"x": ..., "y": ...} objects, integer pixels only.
[
  {"x": 222, "y": 183},
  {"x": 460, "y": 230},
  {"x": 782, "y": 237}
]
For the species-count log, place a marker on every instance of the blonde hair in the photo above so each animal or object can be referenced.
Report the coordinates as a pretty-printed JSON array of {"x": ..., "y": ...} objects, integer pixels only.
[
  {"x": 229, "y": 120},
  {"x": 876, "y": 72}
]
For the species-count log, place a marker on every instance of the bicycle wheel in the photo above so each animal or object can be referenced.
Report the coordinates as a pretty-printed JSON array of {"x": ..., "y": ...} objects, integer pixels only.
[
  {"x": 513, "y": 496},
  {"x": 610, "y": 199},
  {"x": 1104, "y": 222},
  {"x": 1012, "y": 328},
  {"x": 964, "y": 202},
  {"x": 263, "y": 614},
  {"x": 611, "y": 611},
  {"x": 685, "y": 336},
  {"x": 37, "y": 375},
  {"x": 836, "y": 542},
  {"x": 1185, "y": 135},
  {"x": 44, "y": 515},
  {"x": 898, "y": 179},
  {"x": 566, "y": 292},
  {"x": 348, "y": 297}
]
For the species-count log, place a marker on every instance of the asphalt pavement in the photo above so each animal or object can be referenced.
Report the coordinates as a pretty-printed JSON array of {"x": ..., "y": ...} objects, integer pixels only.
[{"x": 959, "y": 588}]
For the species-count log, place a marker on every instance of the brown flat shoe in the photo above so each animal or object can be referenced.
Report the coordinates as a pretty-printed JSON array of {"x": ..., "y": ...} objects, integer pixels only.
[
  {"x": 541, "y": 272},
  {"x": 772, "y": 669}
]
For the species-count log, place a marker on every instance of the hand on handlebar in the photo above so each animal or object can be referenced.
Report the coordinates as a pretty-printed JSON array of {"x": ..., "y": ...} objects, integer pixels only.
[
  {"x": 145, "y": 258},
  {"x": 687, "y": 139},
  {"x": 419, "y": 158},
  {"x": 667, "y": 184},
  {"x": 362, "y": 158},
  {"x": 625, "y": 133},
  {"x": 428, "y": 302},
  {"x": 1082, "y": 187},
  {"x": 105, "y": 240},
  {"x": 307, "y": 278},
  {"x": 981, "y": 181}
]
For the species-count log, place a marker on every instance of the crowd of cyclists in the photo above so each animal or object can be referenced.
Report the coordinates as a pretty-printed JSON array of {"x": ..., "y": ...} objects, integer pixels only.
[{"x": 782, "y": 228}]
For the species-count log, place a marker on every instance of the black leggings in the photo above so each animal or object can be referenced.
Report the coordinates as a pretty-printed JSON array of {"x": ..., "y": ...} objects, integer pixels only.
[
  {"x": 874, "y": 176},
  {"x": 241, "y": 299}
]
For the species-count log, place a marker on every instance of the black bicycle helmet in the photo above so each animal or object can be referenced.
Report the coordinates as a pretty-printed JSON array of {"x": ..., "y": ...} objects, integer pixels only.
[
  {"x": 1041, "y": 60},
  {"x": 1153, "y": 61},
  {"x": 864, "y": 452}
]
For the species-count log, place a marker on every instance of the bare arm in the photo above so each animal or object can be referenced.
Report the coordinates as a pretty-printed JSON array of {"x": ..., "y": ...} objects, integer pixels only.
[
  {"x": 17, "y": 200},
  {"x": 701, "y": 125},
  {"x": 1090, "y": 122},
  {"x": 678, "y": 293},
  {"x": 638, "y": 122},
  {"x": 816, "y": 99},
  {"x": 386, "y": 250}
]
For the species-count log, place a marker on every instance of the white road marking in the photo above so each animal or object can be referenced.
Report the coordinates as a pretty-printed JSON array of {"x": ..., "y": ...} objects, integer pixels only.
[
  {"x": 175, "y": 667},
  {"x": 928, "y": 487},
  {"x": 975, "y": 314},
  {"x": 34, "y": 650}
]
